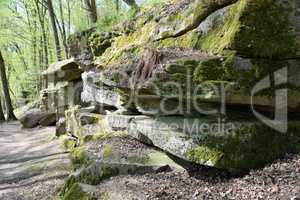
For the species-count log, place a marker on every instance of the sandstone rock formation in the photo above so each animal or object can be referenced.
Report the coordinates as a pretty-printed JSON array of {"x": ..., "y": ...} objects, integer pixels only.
[
  {"x": 206, "y": 61},
  {"x": 63, "y": 89},
  {"x": 200, "y": 80}
]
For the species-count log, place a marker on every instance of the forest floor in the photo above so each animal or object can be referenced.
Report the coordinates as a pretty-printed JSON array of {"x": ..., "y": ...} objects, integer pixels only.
[
  {"x": 278, "y": 181},
  {"x": 33, "y": 164}
]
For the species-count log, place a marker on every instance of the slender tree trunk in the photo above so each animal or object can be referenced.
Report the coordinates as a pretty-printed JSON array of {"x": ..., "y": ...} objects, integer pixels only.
[
  {"x": 34, "y": 41},
  {"x": 117, "y": 2},
  {"x": 91, "y": 8},
  {"x": 132, "y": 4},
  {"x": 2, "y": 118},
  {"x": 45, "y": 45},
  {"x": 69, "y": 16},
  {"x": 41, "y": 16},
  {"x": 63, "y": 28},
  {"x": 54, "y": 29},
  {"x": 41, "y": 63},
  {"x": 41, "y": 53},
  {"x": 5, "y": 87},
  {"x": 21, "y": 56}
]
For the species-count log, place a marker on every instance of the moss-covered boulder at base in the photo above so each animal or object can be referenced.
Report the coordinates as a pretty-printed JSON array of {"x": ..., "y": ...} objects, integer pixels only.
[{"x": 235, "y": 145}]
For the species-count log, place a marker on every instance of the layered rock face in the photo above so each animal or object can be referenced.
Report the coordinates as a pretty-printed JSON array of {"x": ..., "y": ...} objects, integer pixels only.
[
  {"x": 210, "y": 82},
  {"x": 63, "y": 81},
  {"x": 63, "y": 89}
]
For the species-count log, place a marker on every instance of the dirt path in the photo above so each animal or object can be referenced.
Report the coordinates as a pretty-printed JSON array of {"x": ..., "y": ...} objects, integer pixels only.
[{"x": 32, "y": 163}]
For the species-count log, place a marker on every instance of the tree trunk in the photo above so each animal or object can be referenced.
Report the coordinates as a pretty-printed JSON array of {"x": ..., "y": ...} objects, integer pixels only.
[
  {"x": 41, "y": 64},
  {"x": 34, "y": 42},
  {"x": 45, "y": 45},
  {"x": 69, "y": 16},
  {"x": 21, "y": 56},
  {"x": 132, "y": 4},
  {"x": 5, "y": 87},
  {"x": 2, "y": 118},
  {"x": 117, "y": 2},
  {"x": 54, "y": 29},
  {"x": 63, "y": 29},
  {"x": 41, "y": 11},
  {"x": 91, "y": 8}
]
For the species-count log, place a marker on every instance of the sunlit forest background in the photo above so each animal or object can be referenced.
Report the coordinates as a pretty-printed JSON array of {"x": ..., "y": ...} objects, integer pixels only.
[{"x": 27, "y": 42}]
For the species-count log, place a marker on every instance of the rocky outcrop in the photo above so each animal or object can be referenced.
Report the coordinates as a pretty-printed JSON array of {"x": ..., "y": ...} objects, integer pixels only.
[
  {"x": 63, "y": 89},
  {"x": 94, "y": 92},
  {"x": 63, "y": 86},
  {"x": 199, "y": 64},
  {"x": 228, "y": 144}
]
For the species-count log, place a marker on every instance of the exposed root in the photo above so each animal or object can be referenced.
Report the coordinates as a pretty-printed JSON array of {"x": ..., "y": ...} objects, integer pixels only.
[{"x": 146, "y": 65}]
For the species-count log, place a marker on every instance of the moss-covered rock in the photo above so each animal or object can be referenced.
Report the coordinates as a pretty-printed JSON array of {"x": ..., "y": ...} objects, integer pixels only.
[
  {"x": 219, "y": 42},
  {"x": 189, "y": 18},
  {"x": 99, "y": 43},
  {"x": 245, "y": 32},
  {"x": 252, "y": 146},
  {"x": 82, "y": 123},
  {"x": 231, "y": 144},
  {"x": 211, "y": 69},
  {"x": 212, "y": 26},
  {"x": 80, "y": 191},
  {"x": 80, "y": 49},
  {"x": 187, "y": 41},
  {"x": 230, "y": 28}
]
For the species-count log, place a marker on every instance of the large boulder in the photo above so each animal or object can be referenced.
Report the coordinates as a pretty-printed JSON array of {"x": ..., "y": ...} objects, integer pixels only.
[
  {"x": 93, "y": 91},
  {"x": 82, "y": 122},
  {"x": 35, "y": 117},
  {"x": 62, "y": 95},
  {"x": 235, "y": 145}
]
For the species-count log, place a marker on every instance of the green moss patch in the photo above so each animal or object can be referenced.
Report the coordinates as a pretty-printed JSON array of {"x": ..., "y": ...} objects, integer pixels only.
[
  {"x": 107, "y": 135},
  {"x": 188, "y": 41},
  {"x": 205, "y": 155},
  {"x": 99, "y": 43},
  {"x": 246, "y": 32},
  {"x": 252, "y": 146},
  {"x": 107, "y": 152},
  {"x": 76, "y": 192},
  {"x": 211, "y": 69},
  {"x": 80, "y": 157}
]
